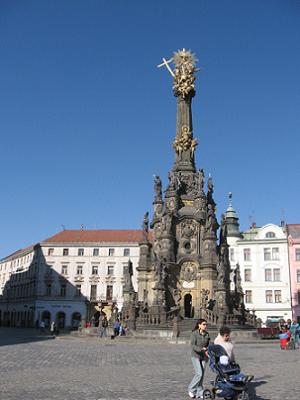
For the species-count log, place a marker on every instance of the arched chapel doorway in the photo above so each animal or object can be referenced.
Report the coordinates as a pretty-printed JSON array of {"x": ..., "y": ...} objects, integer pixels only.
[{"x": 188, "y": 305}]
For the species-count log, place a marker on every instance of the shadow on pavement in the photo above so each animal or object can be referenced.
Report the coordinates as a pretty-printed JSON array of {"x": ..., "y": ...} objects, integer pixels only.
[
  {"x": 252, "y": 390},
  {"x": 11, "y": 336}
]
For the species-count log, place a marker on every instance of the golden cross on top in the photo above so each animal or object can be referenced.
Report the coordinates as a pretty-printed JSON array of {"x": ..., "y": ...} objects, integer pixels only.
[{"x": 166, "y": 63}]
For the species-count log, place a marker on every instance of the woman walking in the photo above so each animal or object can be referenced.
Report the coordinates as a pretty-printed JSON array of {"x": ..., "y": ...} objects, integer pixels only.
[{"x": 199, "y": 343}]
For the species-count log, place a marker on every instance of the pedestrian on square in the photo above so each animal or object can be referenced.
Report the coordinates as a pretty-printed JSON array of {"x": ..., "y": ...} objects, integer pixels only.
[
  {"x": 104, "y": 326},
  {"x": 295, "y": 332},
  {"x": 53, "y": 328},
  {"x": 284, "y": 337},
  {"x": 199, "y": 344},
  {"x": 122, "y": 328},
  {"x": 42, "y": 326},
  {"x": 117, "y": 327}
]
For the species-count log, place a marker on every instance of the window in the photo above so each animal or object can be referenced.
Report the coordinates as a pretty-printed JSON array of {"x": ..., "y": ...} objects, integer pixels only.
[
  {"x": 270, "y": 235},
  {"x": 64, "y": 270},
  {"x": 109, "y": 292},
  {"x": 298, "y": 275},
  {"x": 79, "y": 270},
  {"x": 247, "y": 255},
  {"x": 248, "y": 296},
  {"x": 268, "y": 274},
  {"x": 80, "y": 252},
  {"x": 297, "y": 254},
  {"x": 65, "y": 252},
  {"x": 271, "y": 254},
  {"x": 277, "y": 295},
  {"x": 275, "y": 253},
  {"x": 231, "y": 252},
  {"x": 94, "y": 270},
  {"x": 247, "y": 275},
  {"x": 110, "y": 270},
  {"x": 126, "y": 252},
  {"x": 298, "y": 297},
  {"x": 111, "y": 252},
  {"x": 276, "y": 274},
  {"x": 267, "y": 254},
  {"x": 63, "y": 290},
  {"x": 50, "y": 252},
  {"x": 269, "y": 296},
  {"x": 96, "y": 252},
  {"x": 48, "y": 290},
  {"x": 78, "y": 290},
  {"x": 93, "y": 292}
]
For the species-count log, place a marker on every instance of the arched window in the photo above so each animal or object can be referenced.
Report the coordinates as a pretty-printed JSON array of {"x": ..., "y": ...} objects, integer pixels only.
[{"x": 270, "y": 235}]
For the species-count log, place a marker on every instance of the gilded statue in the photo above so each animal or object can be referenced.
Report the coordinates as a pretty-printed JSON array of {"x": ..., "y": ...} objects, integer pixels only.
[
  {"x": 185, "y": 142},
  {"x": 183, "y": 73}
]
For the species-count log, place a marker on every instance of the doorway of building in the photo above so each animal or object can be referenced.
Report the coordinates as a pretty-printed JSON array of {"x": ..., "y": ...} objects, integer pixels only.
[
  {"x": 76, "y": 318},
  {"x": 46, "y": 317},
  {"x": 188, "y": 305},
  {"x": 61, "y": 319}
]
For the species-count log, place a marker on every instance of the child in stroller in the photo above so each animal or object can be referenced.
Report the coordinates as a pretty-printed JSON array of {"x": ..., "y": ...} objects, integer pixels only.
[{"x": 229, "y": 383}]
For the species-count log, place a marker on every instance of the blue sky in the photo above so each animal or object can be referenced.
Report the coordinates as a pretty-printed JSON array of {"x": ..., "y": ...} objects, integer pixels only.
[{"x": 86, "y": 118}]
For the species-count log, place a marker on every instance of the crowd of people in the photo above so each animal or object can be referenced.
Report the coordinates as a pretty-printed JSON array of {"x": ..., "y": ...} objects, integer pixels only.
[
  {"x": 289, "y": 334},
  {"x": 119, "y": 327}
]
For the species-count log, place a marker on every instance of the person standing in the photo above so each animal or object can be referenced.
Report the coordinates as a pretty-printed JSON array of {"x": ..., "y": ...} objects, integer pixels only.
[
  {"x": 104, "y": 324},
  {"x": 199, "y": 344},
  {"x": 53, "y": 328},
  {"x": 117, "y": 327},
  {"x": 42, "y": 326},
  {"x": 295, "y": 331}
]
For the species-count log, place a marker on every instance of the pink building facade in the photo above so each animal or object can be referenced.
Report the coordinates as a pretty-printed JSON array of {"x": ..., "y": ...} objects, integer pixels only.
[{"x": 293, "y": 231}]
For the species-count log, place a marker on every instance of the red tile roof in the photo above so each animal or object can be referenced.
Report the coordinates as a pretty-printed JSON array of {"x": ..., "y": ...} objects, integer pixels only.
[
  {"x": 294, "y": 230},
  {"x": 96, "y": 236}
]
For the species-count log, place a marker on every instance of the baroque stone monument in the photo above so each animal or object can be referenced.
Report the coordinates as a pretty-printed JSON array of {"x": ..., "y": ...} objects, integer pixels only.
[{"x": 184, "y": 268}]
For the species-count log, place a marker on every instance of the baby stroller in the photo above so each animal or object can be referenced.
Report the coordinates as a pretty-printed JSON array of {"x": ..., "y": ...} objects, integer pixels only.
[{"x": 229, "y": 383}]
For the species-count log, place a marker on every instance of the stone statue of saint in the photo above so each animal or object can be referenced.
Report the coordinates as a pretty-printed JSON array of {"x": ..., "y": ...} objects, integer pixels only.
[
  {"x": 211, "y": 222},
  {"x": 145, "y": 225},
  {"x": 210, "y": 185},
  {"x": 237, "y": 279},
  {"x": 221, "y": 272},
  {"x": 172, "y": 181},
  {"x": 177, "y": 296},
  {"x": 157, "y": 187},
  {"x": 223, "y": 231},
  {"x": 128, "y": 272},
  {"x": 200, "y": 176}
]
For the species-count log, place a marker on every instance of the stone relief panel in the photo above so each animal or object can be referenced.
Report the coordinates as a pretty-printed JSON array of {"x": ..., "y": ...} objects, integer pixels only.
[
  {"x": 188, "y": 229},
  {"x": 188, "y": 271}
]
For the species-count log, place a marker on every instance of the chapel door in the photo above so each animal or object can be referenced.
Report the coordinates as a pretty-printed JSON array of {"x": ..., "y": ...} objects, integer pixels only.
[{"x": 188, "y": 305}]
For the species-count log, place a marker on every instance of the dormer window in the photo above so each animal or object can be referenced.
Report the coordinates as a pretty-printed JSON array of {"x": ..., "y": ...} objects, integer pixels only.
[{"x": 270, "y": 235}]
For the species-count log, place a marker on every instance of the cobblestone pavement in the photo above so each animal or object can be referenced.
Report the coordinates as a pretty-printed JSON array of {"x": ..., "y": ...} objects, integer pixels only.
[{"x": 101, "y": 369}]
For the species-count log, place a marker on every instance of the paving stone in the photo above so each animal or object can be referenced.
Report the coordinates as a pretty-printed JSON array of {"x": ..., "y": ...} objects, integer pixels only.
[{"x": 40, "y": 368}]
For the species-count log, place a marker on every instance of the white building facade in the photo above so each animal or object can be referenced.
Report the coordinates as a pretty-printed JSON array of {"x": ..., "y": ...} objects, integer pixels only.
[
  {"x": 262, "y": 255},
  {"x": 71, "y": 276}
]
